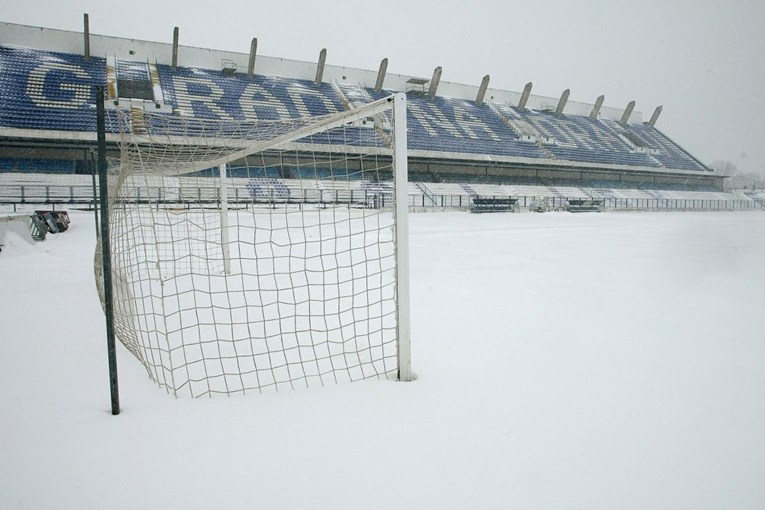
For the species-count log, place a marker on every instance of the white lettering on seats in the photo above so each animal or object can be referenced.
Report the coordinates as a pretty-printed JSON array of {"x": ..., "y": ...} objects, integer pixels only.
[
  {"x": 255, "y": 99},
  {"x": 470, "y": 123},
  {"x": 187, "y": 98},
  {"x": 299, "y": 94},
  {"x": 432, "y": 118},
  {"x": 80, "y": 92}
]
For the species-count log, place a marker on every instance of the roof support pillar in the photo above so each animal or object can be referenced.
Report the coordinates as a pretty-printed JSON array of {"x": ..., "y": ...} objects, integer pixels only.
[
  {"x": 175, "y": 48},
  {"x": 482, "y": 90},
  {"x": 562, "y": 101},
  {"x": 525, "y": 95},
  {"x": 320, "y": 65},
  {"x": 253, "y": 54},
  {"x": 627, "y": 112},
  {"x": 655, "y": 116},
  {"x": 434, "y": 81},
  {"x": 86, "y": 31},
  {"x": 381, "y": 74},
  {"x": 596, "y": 109}
]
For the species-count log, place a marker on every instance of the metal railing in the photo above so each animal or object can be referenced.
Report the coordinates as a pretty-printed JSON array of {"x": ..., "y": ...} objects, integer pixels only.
[{"x": 37, "y": 194}]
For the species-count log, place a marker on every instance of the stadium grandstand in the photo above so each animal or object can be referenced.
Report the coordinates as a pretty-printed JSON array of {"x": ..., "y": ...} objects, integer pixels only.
[{"x": 465, "y": 141}]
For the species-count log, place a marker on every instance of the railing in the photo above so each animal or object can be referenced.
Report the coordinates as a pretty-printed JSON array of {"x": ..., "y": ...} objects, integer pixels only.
[
  {"x": 427, "y": 193},
  {"x": 665, "y": 204},
  {"x": 36, "y": 194},
  {"x": 84, "y": 195},
  {"x": 18, "y": 194}
]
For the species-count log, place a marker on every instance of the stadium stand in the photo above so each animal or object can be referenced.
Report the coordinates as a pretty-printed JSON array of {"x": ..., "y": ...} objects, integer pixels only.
[
  {"x": 662, "y": 149},
  {"x": 34, "y": 98},
  {"x": 575, "y": 138},
  {"x": 207, "y": 93},
  {"x": 135, "y": 71},
  {"x": 459, "y": 149}
]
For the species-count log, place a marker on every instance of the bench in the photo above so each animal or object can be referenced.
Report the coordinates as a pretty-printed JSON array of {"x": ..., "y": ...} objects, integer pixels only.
[
  {"x": 584, "y": 205},
  {"x": 55, "y": 221},
  {"x": 493, "y": 204}
]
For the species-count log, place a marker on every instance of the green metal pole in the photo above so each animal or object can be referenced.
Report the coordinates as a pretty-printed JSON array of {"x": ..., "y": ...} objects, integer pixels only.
[{"x": 106, "y": 250}]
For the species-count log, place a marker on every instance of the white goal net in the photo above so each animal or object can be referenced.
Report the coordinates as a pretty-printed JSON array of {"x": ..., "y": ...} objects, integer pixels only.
[{"x": 255, "y": 256}]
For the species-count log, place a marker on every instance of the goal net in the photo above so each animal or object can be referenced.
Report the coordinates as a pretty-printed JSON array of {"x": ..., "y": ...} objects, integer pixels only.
[{"x": 255, "y": 256}]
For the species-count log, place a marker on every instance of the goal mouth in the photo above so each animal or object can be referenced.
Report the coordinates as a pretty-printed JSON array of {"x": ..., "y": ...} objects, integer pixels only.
[{"x": 258, "y": 256}]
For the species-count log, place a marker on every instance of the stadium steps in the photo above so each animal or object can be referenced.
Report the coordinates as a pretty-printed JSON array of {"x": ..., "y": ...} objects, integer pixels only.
[
  {"x": 444, "y": 188},
  {"x": 469, "y": 189},
  {"x": 490, "y": 190},
  {"x": 427, "y": 193}
]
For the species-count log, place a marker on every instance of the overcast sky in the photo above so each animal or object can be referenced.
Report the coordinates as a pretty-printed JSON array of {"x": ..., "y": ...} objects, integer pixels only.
[{"x": 702, "y": 60}]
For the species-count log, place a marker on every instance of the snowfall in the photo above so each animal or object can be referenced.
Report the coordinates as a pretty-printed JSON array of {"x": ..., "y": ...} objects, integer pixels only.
[{"x": 563, "y": 361}]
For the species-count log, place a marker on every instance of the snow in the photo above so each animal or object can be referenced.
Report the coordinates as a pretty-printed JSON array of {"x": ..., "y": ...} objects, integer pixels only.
[{"x": 563, "y": 361}]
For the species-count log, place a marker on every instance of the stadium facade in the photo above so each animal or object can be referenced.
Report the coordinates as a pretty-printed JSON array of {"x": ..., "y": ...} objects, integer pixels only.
[{"x": 459, "y": 135}]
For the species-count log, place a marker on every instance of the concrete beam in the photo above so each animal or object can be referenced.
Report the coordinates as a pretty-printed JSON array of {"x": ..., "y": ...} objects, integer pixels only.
[
  {"x": 596, "y": 109},
  {"x": 525, "y": 95},
  {"x": 482, "y": 90},
  {"x": 320, "y": 65},
  {"x": 655, "y": 116},
  {"x": 253, "y": 54},
  {"x": 175, "y": 48},
  {"x": 562, "y": 101},
  {"x": 381, "y": 74},
  {"x": 434, "y": 81},
  {"x": 627, "y": 112},
  {"x": 86, "y": 31}
]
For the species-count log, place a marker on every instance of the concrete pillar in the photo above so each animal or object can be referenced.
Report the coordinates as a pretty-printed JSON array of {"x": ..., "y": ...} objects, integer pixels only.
[
  {"x": 381, "y": 74},
  {"x": 596, "y": 109},
  {"x": 482, "y": 90},
  {"x": 175, "y": 48},
  {"x": 86, "y": 31},
  {"x": 655, "y": 116},
  {"x": 525, "y": 95},
  {"x": 320, "y": 65},
  {"x": 562, "y": 101},
  {"x": 627, "y": 112},
  {"x": 253, "y": 54},
  {"x": 434, "y": 81}
]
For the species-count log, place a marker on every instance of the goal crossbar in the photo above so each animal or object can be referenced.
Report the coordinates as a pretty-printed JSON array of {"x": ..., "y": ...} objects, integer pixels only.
[{"x": 244, "y": 147}]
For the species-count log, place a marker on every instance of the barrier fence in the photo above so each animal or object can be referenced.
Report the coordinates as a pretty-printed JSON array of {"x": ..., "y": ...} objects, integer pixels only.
[{"x": 17, "y": 194}]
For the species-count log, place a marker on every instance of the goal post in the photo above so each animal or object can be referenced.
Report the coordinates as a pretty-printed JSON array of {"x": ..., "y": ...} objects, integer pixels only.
[
  {"x": 223, "y": 193},
  {"x": 401, "y": 177},
  {"x": 254, "y": 256}
]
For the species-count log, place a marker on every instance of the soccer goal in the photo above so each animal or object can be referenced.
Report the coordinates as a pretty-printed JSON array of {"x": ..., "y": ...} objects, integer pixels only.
[{"x": 256, "y": 256}]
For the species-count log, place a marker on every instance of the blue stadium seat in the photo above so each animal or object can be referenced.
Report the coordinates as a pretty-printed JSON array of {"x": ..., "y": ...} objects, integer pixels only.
[
  {"x": 48, "y": 90},
  {"x": 577, "y": 138},
  {"x": 668, "y": 153},
  {"x": 453, "y": 125},
  {"x": 129, "y": 70}
]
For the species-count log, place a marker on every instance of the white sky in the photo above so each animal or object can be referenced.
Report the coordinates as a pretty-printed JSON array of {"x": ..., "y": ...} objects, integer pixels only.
[{"x": 701, "y": 59}]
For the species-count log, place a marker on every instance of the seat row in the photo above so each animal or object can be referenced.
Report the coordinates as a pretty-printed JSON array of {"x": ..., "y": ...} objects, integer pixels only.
[{"x": 51, "y": 90}]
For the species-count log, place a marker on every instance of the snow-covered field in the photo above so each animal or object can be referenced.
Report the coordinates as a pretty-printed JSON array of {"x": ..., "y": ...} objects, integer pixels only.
[{"x": 563, "y": 361}]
